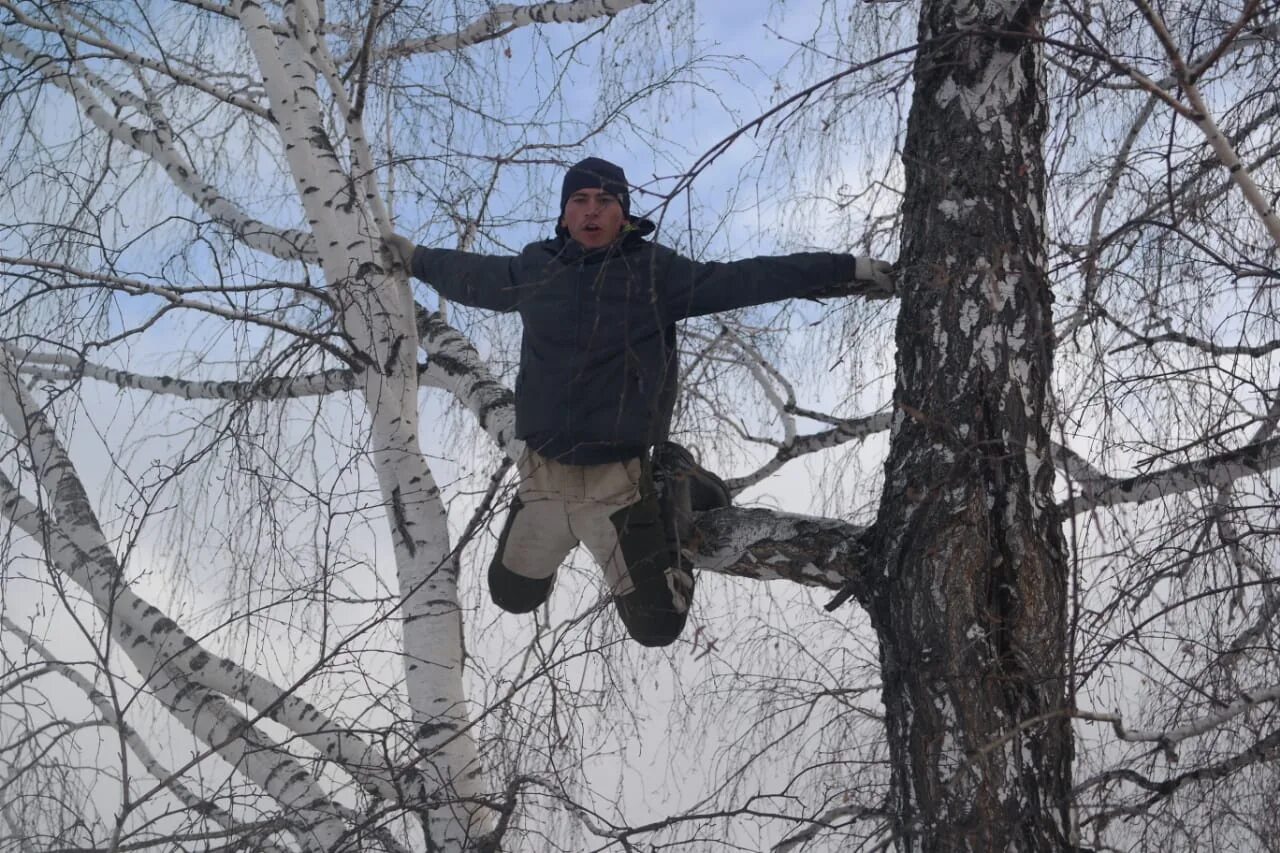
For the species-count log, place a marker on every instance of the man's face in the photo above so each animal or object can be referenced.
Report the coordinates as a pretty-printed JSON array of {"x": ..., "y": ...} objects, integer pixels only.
[{"x": 593, "y": 217}]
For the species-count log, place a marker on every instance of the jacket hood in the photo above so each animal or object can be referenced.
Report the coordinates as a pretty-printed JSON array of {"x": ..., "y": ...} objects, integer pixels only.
[{"x": 645, "y": 227}]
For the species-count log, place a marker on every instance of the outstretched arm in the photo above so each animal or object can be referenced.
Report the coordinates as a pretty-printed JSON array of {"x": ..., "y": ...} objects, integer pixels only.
[
  {"x": 483, "y": 281},
  {"x": 703, "y": 288}
]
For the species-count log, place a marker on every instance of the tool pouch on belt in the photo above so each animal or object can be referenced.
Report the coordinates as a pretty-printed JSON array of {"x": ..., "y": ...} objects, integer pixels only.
[{"x": 683, "y": 488}]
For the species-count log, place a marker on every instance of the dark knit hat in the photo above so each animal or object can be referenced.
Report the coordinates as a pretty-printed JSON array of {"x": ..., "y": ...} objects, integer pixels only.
[{"x": 594, "y": 173}]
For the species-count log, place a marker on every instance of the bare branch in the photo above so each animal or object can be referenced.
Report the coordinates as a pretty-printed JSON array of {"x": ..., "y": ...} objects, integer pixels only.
[
  {"x": 1201, "y": 115},
  {"x": 1248, "y": 701},
  {"x": 136, "y": 61},
  {"x": 851, "y": 429},
  {"x": 764, "y": 544},
  {"x": 85, "y": 556},
  {"x": 170, "y": 780},
  {"x": 454, "y": 364},
  {"x": 174, "y": 296},
  {"x": 206, "y": 714},
  {"x": 1265, "y": 750},
  {"x": 839, "y": 815},
  {"x": 1214, "y": 471},
  {"x": 67, "y": 367},
  {"x": 505, "y": 17},
  {"x": 287, "y": 244}
]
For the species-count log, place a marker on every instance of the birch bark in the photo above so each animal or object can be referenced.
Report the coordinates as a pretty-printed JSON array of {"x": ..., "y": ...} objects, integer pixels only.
[
  {"x": 174, "y": 665},
  {"x": 971, "y": 607},
  {"x": 377, "y": 315}
]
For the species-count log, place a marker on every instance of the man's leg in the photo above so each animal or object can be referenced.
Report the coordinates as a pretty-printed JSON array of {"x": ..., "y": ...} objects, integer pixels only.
[
  {"x": 621, "y": 524},
  {"x": 656, "y": 611},
  {"x": 535, "y": 539}
]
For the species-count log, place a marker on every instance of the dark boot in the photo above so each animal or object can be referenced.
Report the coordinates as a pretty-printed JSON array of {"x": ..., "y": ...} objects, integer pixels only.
[
  {"x": 655, "y": 612},
  {"x": 684, "y": 487}
]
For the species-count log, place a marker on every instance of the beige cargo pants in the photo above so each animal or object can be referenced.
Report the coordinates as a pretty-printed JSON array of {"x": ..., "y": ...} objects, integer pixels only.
[{"x": 613, "y": 510}]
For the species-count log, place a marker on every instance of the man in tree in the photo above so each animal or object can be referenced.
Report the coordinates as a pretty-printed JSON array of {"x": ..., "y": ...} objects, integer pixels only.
[{"x": 597, "y": 384}]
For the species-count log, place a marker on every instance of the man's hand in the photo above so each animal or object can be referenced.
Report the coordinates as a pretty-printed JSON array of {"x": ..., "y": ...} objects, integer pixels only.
[
  {"x": 873, "y": 279},
  {"x": 401, "y": 249}
]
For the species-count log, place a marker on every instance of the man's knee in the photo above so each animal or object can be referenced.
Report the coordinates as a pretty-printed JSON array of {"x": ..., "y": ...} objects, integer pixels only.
[
  {"x": 656, "y": 612},
  {"x": 515, "y": 593},
  {"x": 650, "y": 623},
  {"x": 512, "y": 591}
]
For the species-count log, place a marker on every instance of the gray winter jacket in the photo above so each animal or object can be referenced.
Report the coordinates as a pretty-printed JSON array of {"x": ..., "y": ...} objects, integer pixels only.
[{"x": 597, "y": 375}]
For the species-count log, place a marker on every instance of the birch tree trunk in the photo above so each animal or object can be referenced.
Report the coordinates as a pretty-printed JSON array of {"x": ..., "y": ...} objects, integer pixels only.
[
  {"x": 377, "y": 314},
  {"x": 971, "y": 610}
]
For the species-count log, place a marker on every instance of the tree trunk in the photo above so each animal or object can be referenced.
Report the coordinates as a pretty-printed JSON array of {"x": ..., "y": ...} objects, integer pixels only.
[
  {"x": 377, "y": 315},
  {"x": 971, "y": 611}
]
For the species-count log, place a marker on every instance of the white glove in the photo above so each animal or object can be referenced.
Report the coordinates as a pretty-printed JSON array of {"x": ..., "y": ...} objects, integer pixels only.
[
  {"x": 874, "y": 277},
  {"x": 401, "y": 249}
]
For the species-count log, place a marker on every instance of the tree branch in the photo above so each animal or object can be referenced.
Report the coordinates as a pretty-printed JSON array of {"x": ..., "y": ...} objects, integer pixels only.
[
  {"x": 504, "y": 18},
  {"x": 138, "y": 61},
  {"x": 143, "y": 632},
  {"x": 87, "y": 559},
  {"x": 1220, "y": 469},
  {"x": 67, "y": 367},
  {"x": 1248, "y": 701},
  {"x": 455, "y": 365},
  {"x": 851, "y": 429},
  {"x": 1265, "y": 750},
  {"x": 174, "y": 296},
  {"x": 192, "y": 801},
  {"x": 286, "y": 244},
  {"x": 765, "y": 544}
]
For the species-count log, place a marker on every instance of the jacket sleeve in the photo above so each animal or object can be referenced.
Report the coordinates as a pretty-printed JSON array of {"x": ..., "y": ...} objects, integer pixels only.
[
  {"x": 695, "y": 288},
  {"x": 483, "y": 281}
]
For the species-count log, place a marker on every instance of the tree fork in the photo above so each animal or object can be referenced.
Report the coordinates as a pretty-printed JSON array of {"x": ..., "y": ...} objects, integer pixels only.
[{"x": 971, "y": 610}]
